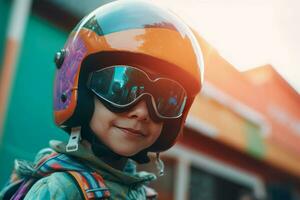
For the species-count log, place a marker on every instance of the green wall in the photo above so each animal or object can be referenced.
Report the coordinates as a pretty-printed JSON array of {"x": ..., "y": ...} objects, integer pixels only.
[
  {"x": 29, "y": 122},
  {"x": 4, "y": 10}
]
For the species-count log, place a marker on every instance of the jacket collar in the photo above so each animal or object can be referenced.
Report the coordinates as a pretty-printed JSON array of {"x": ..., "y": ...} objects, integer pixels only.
[{"x": 129, "y": 176}]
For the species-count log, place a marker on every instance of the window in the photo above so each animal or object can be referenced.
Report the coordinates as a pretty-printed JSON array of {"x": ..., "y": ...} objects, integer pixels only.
[{"x": 207, "y": 186}]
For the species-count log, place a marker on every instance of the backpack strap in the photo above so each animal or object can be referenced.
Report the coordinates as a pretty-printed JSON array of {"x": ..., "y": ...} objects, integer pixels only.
[
  {"x": 58, "y": 163},
  {"x": 89, "y": 183},
  {"x": 24, "y": 187}
]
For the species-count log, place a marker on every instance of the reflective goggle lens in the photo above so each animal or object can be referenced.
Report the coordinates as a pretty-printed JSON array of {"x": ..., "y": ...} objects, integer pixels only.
[{"x": 123, "y": 85}]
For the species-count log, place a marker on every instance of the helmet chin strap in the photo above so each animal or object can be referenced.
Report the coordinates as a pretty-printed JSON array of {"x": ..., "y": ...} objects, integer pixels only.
[
  {"x": 74, "y": 138},
  {"x": 160, "y": 166}
]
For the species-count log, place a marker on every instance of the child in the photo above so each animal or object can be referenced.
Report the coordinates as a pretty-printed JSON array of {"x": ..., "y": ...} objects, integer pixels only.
[{"x": 125, "y": 82}]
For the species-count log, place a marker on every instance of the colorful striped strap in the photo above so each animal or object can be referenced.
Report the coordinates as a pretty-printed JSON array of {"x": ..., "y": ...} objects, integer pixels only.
[
  {"x": 58, "y": 163},
  {"x": 90, "y": 183}
]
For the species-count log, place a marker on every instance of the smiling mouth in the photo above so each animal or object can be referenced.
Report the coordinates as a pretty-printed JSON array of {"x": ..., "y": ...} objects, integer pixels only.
[{"x": 131, "y": 131}]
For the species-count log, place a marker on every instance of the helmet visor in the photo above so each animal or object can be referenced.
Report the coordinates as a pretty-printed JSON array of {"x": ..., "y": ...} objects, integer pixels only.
[{"x": 123, "y": 85}]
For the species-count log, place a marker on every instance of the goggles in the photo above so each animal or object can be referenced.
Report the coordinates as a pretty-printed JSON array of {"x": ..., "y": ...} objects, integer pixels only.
[{"x": 122, "y": 86}]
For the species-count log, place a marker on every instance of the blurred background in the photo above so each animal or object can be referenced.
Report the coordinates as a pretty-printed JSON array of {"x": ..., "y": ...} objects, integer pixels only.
[{"x": 241, "y": 140}]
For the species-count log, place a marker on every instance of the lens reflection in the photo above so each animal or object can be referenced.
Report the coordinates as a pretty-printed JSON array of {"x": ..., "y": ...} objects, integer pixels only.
[{"x": 122, "y": 85}]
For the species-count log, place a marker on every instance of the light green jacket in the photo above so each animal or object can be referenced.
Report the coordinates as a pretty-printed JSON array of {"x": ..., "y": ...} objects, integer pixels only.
[{"x": 59, "y": 186}]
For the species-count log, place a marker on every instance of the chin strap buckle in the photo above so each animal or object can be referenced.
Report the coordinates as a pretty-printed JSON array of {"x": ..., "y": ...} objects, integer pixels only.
[
  {"x": 74, "y": 138},
  {"x": 159, "y": 165}
]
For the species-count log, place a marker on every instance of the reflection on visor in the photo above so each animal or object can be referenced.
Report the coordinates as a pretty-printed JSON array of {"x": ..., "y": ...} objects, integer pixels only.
[{"x": 123, "y": 85}]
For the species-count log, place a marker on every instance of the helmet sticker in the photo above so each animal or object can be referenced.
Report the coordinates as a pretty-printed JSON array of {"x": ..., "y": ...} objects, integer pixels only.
[{"x": 65, "y": 77}]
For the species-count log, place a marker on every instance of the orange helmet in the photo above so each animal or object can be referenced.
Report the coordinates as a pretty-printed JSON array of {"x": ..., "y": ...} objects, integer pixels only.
[{"x": 133, "y": 33}]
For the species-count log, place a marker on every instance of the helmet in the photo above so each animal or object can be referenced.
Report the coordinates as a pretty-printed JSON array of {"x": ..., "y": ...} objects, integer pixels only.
[{"x": 126, "y": 32}]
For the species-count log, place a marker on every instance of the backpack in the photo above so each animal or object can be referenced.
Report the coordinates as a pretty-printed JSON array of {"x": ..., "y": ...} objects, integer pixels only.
[{"x": 90, "y": 184}]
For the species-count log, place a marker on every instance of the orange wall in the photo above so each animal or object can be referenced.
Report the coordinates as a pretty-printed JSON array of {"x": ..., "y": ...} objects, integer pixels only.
[{"x": 264, "y": 91}]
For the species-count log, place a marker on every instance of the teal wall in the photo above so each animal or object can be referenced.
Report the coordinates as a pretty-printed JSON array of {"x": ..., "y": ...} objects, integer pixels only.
[
  {"x": 29, "y": 122},
  {"x": 4, "y": 10}
]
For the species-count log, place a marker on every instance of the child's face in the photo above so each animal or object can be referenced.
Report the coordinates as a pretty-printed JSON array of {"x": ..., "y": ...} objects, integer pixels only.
[{"x": 125, "y": 133}]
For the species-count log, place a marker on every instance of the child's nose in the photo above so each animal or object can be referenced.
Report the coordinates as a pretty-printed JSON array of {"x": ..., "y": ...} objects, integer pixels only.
[{"x": 139, "y": 112}]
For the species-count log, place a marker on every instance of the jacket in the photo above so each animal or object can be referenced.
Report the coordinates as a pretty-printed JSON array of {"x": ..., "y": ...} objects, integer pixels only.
[{"x": 126, "y": 185}]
